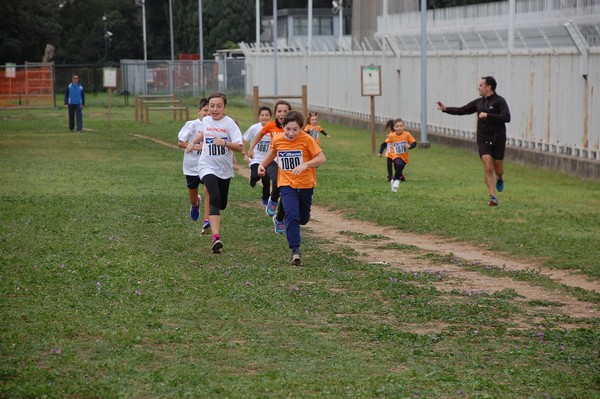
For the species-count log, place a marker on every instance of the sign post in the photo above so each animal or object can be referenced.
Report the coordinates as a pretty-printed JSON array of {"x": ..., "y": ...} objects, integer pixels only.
[
  {"x": 110, "y": 82},
  {"x": 370, "y": 79}
]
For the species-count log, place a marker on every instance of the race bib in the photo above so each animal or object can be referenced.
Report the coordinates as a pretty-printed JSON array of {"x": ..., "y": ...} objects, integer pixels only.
[
  {"x": 212, "y": 148},
  {"x": 288, "y": 160},
  {"x": 400, "y": 147},
  {"x": 263, "y": 146},
  {"x": 314, "y": 134}
]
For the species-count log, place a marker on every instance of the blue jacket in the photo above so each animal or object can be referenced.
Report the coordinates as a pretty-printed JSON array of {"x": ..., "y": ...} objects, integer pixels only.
[{"x": 74, "y": 94}]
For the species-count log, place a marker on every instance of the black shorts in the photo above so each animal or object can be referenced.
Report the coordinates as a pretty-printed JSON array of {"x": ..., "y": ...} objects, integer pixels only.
[
  {"x": 193, "y": 181},
  {"x": 495, "y": 148}
]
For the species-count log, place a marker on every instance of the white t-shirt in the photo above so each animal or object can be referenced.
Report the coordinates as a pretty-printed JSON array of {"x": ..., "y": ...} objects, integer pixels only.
[
  {"x": 262, "y": 147},
  {"x": 217, "y": 160},
  {"x": 187, "y": 134}
]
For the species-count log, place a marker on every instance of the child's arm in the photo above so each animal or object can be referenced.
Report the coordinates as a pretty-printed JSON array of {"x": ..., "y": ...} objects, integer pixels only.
[
  {"x": 326, "y": 134},
  {"x": 317, "y": 161},
  {"x": 257, "y": 138},
  {"x": 244, "y": 153},
  {"x": 262, "y": 169},
  {"x": 198, "y": 139},
  {"x": 237, "y": 147}
]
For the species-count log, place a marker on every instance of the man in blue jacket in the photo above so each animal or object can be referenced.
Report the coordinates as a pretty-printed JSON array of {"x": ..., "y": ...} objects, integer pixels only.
[{"x": 75, "y": 101}]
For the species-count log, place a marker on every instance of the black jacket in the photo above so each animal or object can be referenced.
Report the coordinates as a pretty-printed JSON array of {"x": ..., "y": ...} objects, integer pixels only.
[{"x": 492, "y": 127}]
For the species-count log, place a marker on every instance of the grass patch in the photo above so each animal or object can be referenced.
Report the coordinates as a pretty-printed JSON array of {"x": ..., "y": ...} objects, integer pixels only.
[{"x": 107, "y": 289}]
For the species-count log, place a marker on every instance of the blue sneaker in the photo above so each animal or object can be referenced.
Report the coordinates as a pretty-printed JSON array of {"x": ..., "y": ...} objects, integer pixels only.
[
  {"x": 265, "y": 201},
  {"x": 195, "y": 211},
  {"x": 271, "y": 207},
  {"x": 499, "y": 184},
  {"x": 493, "y": 201},
  {"x": 205, "y": 227},
  {"x": 279, "y": 226}
]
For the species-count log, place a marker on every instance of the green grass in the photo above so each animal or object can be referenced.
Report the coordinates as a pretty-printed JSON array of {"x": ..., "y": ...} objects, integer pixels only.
[{"x": 108, "y": 290}]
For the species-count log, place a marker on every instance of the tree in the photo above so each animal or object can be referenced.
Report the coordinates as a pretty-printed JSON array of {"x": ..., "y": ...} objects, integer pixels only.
[{"x": 27, "y": 26}]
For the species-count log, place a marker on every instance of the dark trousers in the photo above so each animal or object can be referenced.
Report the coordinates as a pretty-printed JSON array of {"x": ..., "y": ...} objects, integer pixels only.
[
  {"x": 75, "y": 111},
  {"x": 265, "y": 180},
  {"x": 296, "y": 203},
  {"x": 399, "y": 167},
  {"x": 218, "y": 190},
  {"x": 272, "y": 171}
]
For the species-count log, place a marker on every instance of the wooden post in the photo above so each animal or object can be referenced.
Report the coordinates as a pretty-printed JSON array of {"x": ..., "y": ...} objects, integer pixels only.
[
  {"x": 304, "y": 101},
  {"x": 372, "y": 125},
  {"x": 187, "y": 114},
  {"x": 147, "y": 116},
  {"x": 255, "y": 102},
  {"x": 136, "y": 108}
]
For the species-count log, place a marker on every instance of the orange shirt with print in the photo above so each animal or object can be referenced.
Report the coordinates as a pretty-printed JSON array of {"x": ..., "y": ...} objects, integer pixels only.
[
  {"x": 318, "y": 129},
  {"x": 291, "y": 154},
  {"x": 270, "y": 128},
  {"x": 398, "y": 145}
]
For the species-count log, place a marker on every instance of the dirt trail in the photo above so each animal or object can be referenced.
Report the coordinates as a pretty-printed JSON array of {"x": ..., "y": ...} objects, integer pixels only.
[{"x": 341, "y": 233}]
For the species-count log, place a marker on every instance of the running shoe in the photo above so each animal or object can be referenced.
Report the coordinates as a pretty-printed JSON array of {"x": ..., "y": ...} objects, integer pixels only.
[
  {"x": 296, "y": 260},
  {"x": 205, "y": 227},
  {"x": 395, "y": 185},
  {"x": 493, "y": 201},
  {"x": 195, "y": 211},
  {"x": 279, "y": 226},
  {"x": 265, "y": 201},
  {"x": 402, "y": 178},
  {"x": 217, "y": 245},
  {"x": 271, "y": 207},
  {"x": 499, "y": 184}
]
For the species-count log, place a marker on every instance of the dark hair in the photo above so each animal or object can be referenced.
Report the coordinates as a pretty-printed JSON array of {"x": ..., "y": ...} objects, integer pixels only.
[
  {"x": 218, "y": 95},
  {"x": 203, "y": 102},
  {"x": 398, "y": 120},
  {"x": 293, "y": 116},
  {"x": 490, "y": 81},
  {"x": 282, "y": 102},
  {"x": 310, "y": 115},
  {"x": 264, "y": 108},
  {"x": 389, "y": 124}
]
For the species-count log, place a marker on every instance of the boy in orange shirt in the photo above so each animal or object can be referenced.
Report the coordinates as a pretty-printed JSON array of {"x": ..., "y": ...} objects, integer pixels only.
[
  {"x": 399, "y": 143},
  {"x": 298, "y": 156}
]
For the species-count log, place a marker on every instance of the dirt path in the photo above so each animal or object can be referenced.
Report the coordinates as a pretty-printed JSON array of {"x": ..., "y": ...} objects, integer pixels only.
[{"x": 367, "y": 242}]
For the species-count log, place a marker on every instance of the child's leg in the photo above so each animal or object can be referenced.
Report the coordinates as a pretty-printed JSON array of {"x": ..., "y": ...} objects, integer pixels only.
[
  {"x": 193, "y": 193},
  {"x": 399, "y": 167},
  {"x": 290, "y": 200},
  {"x": 306, "y": 195},
  {"x": 214, "y": 185},
  {"x": 206, "y": 203},
  {"x": 266, "y": 186},
  {"x": 71, "y": 109},
  {"x": 254, "y": 177},
  {"x": 273, "y": 170},
  {"x": 389, "y": 168}
]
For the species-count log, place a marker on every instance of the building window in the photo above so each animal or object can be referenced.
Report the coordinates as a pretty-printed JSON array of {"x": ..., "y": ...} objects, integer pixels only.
[{"x": 322, "y": 26}]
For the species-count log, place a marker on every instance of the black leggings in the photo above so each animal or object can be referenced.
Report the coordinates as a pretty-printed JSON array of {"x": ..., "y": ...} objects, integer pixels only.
[
  {"x": 266, "y": 180},
  {"x": 399, "y": 167},
  {"x": 272, "y": 171},
  {"x": 218, "y": 190}
]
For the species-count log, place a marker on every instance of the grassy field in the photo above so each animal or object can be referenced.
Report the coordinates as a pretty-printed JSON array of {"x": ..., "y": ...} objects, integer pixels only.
[{"x": 108, "y": 290}]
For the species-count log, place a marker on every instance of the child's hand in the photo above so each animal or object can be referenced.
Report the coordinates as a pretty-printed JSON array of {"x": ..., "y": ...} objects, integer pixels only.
[
  {"x": 190, "y": 147},
  {"x": 299, "y": 169},
  {"x": 379, "y": 155},
  {"x": 261, "y": 170}
]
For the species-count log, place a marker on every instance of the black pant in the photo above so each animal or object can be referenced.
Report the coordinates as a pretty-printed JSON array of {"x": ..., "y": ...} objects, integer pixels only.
[
  {"x": 265, "y": 180},
  {"x": 218, "y": 190},
  {"x": 272, "y": 171},
  {"x": 399, "y": 166}
]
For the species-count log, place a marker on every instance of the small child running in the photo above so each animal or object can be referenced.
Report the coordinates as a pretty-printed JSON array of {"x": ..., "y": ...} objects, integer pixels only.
[
  {"x": 298, "y": 156},
  {"x": 260, "y": 151},
  {"x": 389, "y": 127},
  {"x": 220, "y": 136},
  {"x": 313, "y": 128},
  {"x": 186, "y": 135},
  {"x": 399, "y": 143}
]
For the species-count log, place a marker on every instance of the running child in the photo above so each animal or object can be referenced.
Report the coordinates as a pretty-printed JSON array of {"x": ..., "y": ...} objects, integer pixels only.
[
  {"x": 399, "y": 143},
  {"x": 312, "y": 127},
  {"x": 298, "y": 156},
  {"x": 220, "y": 136},
  {"x": 273, "y": 128},
  {"x": 186, "y": 135},
  {"x": 389, "y": 127},
  {"x": 260, "y": 150}
]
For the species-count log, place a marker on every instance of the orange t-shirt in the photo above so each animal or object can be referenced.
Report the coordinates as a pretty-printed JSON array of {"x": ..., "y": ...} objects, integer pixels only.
[
  {"x": 271, "y": 128},
  {"x": 314, "y": 132},
  {"x": 398, "y": 145},
  {"x": 291, "y": 154}
]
